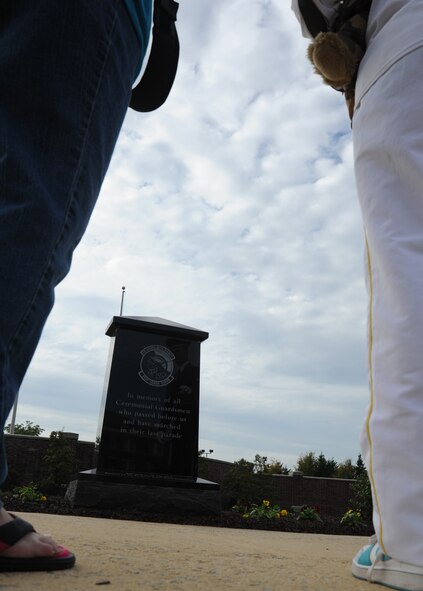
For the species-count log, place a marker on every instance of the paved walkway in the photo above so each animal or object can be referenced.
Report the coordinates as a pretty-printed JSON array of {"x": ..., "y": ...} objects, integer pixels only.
[{"x": 127, "y": 556}]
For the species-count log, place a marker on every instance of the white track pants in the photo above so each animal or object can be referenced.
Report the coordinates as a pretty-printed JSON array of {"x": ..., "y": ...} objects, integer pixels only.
[{"x": 388, "y": 147}]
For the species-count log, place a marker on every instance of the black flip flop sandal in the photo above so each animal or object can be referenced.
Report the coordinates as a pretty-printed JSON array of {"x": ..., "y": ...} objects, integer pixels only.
[{"x": 11, "y": 533}]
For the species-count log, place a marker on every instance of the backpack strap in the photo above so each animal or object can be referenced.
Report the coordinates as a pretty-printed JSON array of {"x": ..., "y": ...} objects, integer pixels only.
[
  {"x": 314, "y": 20},
  {"x": 157, "y": 80},
  {"x": 347, "y": 9}
]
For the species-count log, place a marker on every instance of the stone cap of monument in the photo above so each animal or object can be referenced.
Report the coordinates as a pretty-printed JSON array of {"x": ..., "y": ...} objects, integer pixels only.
[{"x": 155, "y": 325}]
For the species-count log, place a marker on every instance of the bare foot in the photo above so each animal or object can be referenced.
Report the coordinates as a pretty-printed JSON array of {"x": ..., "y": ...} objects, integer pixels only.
[{"x": 29, "y": 546}]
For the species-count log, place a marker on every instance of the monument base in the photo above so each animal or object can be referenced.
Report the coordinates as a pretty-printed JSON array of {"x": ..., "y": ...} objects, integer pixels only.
[{"x": 149, "y": 494}]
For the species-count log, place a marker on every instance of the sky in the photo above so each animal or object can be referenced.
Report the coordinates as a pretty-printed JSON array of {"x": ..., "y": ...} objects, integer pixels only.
[{"x": 231, "y": 209}]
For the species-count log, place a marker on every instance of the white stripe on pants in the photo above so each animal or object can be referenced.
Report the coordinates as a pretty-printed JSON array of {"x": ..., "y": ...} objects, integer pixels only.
[{"x": 388, "y": 149}]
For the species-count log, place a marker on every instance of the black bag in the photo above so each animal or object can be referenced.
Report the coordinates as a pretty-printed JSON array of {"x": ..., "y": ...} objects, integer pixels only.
[
  {"x": 157, "y": 80},
  {"x": 316, "y": 22}
]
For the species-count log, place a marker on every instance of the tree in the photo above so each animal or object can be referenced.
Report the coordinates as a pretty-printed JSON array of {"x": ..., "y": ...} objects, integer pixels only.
[
  {"x": 362, "y": 496},
  {"x": 262, "y": 466},
  {"x": 59, "y": 463},
  {"x": 28, "y": 429},
  {"x": 360, "y": 468},
  {"x": 276, "y": 467},
  {"x": 309, "y": 465},
  {"x": 346, "y": 470},
  {"x": 242, "y": 485},
  {"x": 325, "y": 468}
]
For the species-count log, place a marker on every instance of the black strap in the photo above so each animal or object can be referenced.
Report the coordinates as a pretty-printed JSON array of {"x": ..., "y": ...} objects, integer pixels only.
[
  {"x": 347, "y": 8},
  {"x": 157, "y": 80},
  {"x": 315, "y": 21},
  {"x": 13, "y": 531}
]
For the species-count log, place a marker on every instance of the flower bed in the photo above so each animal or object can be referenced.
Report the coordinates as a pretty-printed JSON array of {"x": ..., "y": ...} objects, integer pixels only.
[{"x": 286, "y": 522}]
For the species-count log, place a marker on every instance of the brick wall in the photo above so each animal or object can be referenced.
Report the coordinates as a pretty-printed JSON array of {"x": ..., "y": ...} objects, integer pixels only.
[
  {"x": 25, "y": 456},
  {"x": 332, "y": 495},
  {"x": 214, "y": 470}
]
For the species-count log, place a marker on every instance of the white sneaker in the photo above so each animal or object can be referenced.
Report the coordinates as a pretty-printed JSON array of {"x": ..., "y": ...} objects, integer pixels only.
[{"x": 372, "y": 564}]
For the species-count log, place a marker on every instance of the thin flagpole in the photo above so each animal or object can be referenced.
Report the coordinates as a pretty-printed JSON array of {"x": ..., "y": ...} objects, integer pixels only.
[{"x": 121, "y": 300}]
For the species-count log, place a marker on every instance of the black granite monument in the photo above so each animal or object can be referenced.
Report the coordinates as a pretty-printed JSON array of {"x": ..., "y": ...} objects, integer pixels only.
[{"x": 148, "y": 432}]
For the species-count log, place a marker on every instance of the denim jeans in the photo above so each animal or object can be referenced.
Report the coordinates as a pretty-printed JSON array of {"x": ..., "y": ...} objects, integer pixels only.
[{"x": 66, "y": 71}]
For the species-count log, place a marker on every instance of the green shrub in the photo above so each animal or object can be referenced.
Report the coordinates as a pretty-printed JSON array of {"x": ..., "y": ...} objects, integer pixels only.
[
  {"x": 309, "y": 514},
  {"x": 263, "y": 511},
  {"x": 362, "y": 497},
  {"x": 29, "y": 493},
  {"x": 352, "y": 519},
  {"x": 59, "y": 463},
  {"x": 243, "y": 486}
]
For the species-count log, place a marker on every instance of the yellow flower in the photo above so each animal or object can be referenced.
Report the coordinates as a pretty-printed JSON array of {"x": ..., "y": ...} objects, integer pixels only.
[
  {"x": 277, "y": 516},
  {"x": 284, "y": 513},
  {"x": 246, "y": 516},
  {"x": 266, "y": 503},
  {"x": 43, "y": 498}
]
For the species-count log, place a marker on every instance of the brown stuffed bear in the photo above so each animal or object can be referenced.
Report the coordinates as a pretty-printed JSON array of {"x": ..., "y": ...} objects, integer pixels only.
[{"x": 337, "y": 52}]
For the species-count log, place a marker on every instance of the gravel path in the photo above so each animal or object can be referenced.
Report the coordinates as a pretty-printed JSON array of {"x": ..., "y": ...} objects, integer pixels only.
[{"x": 127, "y": 556}]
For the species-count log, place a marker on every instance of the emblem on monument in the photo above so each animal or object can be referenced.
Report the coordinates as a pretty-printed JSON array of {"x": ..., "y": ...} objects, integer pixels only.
[{"x": 156, "y": 365}]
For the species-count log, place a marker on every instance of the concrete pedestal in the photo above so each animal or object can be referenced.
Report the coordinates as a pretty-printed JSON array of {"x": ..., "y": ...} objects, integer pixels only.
[{"x": 198, "y": 497}]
